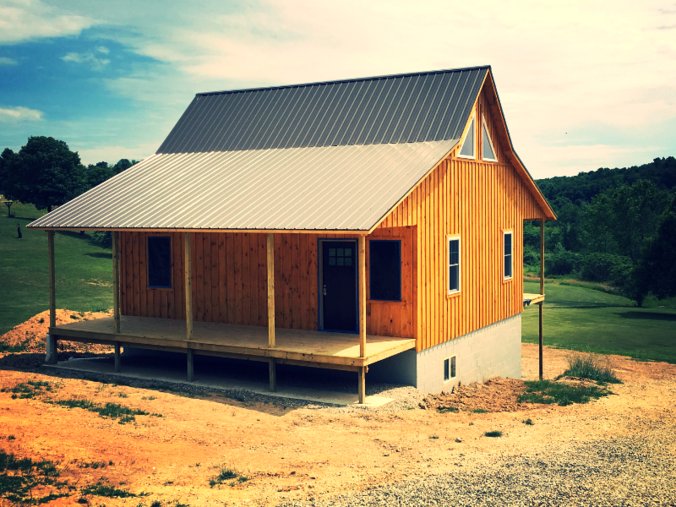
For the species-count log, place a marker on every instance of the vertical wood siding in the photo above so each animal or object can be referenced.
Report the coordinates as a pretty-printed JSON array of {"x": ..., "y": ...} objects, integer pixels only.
[
  {"x": 474, "y": 199},
  {"x": 230, "y": 281}
]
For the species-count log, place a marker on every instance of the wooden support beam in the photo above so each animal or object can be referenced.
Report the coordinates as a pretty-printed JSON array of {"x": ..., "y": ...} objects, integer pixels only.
[
  {"x": 52, "y": 356},
  {"x": 191, "y": 369},
  {"x": 116, "y": 279},
  {"x": 271, "y": 292},
  {"x": 542, "y": 290},
  {"x": 118, "y": 360},
  {"x": 188, "y": 286},
  {"x": 273, "y": 374},
  {"x": 362, "y": 385},
  {"x": 362, "y": 296},
  {"x": 52, "y": 280},
  {"x": 542, "y": 256}
]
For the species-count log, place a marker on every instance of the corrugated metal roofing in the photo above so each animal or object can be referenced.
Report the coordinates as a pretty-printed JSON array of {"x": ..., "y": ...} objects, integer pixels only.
[
  {"x": 310, "y": 188},
  {"x": 408, "y": 108}
]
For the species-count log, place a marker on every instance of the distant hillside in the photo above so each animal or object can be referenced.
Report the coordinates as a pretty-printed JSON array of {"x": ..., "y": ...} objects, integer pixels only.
[{"x": 583, "y": 187}]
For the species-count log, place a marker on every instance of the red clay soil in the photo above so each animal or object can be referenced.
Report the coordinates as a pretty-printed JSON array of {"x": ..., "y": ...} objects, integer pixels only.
[{"x": 32, "y": 333}]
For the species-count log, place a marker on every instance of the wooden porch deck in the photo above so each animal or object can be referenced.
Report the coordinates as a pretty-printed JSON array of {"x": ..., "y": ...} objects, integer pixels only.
[{"x": 308, "y": 348}]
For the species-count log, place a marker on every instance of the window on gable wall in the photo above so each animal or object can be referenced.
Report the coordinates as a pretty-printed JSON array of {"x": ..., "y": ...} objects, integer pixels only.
[
  {"x": 488, "y": 150},
  {"x": 453, "y": 265},
  {"x": 508, "y": 255},
  {"x": 468, "y": 147}
]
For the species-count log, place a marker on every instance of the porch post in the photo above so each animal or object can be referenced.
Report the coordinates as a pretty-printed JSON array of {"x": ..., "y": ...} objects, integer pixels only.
[
  {"x": 362, "y": 316},
  {"x": 116, "y": 279},
  {"x": 271, "y": 309},
  {"x": 51, "y": 345},
  {"x": 188, "y": 301},
  {"x": 542, "y": 285}
]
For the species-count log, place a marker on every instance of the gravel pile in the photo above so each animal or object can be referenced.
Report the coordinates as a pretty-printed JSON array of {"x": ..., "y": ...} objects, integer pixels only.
[{"x": 628, "y": 471}]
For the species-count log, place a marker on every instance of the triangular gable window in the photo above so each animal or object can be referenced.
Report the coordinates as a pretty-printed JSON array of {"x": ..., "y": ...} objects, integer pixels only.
[
  {"x": 468, "y": 149},
  {"x": 488, "y": 150}
]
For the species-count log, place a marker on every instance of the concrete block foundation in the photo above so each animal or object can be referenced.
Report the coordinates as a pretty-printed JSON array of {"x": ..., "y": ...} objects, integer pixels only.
[{"x": 491, "y": 351}]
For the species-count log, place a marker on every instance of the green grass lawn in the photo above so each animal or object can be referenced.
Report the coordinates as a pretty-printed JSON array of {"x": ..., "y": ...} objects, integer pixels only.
[
  {"x": 84, "y": 272},
  {"x": 578, "y": 318}
]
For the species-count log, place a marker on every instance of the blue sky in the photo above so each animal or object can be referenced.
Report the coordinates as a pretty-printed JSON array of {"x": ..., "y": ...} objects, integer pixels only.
[{"x": 583, "y": 84}]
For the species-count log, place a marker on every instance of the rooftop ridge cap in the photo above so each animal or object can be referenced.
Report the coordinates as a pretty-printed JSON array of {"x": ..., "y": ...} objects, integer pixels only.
[{"x": 351, "y": 80}]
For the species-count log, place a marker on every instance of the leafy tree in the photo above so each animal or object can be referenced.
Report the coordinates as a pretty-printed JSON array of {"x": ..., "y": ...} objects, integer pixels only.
[
  {"x": 44, "y": 173},
  {"x": 657, "y": 270}
]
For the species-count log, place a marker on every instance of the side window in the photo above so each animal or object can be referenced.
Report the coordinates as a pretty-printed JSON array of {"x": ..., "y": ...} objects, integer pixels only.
[
  {"x": 453, "y": 265},
  {"x": 159, "y": 262},
  {"x": 468, "y": 149},
  {"x": 449, "y": 368},
  {"x": 385, "y": 270},
  {"x": 508, "y": 249}
]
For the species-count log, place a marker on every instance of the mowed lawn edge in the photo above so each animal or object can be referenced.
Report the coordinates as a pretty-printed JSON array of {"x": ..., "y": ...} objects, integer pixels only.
[
  {"x": 588, "y": 320},
  {"x": 84, "y": 272}
]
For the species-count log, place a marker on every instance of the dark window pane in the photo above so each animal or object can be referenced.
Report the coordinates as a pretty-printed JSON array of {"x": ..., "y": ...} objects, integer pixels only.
[
  {"x": 453, "y": 251},
  {"x": 348, "y": 261},
  {"x": 385, "y": 270},
  {"x": 332, "y": 261},
  {"x": 341, "y": 261},
  {"x": 348, "y": 252},
  {"x": 508, "y": 266},
  {"x": 332, "y": 252},
  {"x": 453, "y": 367},
  {"x": 468, "y": 146},
  {"x": 508, "y": 244},
  {"x": 447, "y": 370},
  {"x": 159, "y": 261},
  {"x": 453, "y": 278},
  {"x": 488, "y": 150}
]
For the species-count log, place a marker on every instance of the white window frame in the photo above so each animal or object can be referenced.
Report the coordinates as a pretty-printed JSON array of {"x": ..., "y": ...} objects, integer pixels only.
[
  {"x": 511, "y": 254},
  {"x": 490, "y": 141},
  {"x": 451, "y": 377},
  {"x": 472, "y": 121},
  {"x": 450, "y": 291}
]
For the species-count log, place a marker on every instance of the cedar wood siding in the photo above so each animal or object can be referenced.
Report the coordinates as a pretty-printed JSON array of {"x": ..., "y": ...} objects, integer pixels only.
[
  {"x": 230, "y": 281},
  {"x": 471, "y": 198},
  {"x": 478, "y": 201}
]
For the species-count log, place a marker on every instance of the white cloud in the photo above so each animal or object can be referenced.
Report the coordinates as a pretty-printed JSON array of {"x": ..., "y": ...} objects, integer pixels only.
[
  {"x": 24, "y": 20},
  {"x": 4, "y": 60},
  {"x": 103, "y": 49},
  {"x": 597, "y": 67},
  {"x": 89, "y": 58},
  {"x": 13, "y": 114}
]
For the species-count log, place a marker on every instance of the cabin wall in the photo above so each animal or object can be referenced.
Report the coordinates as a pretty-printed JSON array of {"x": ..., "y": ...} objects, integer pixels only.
[
  {"x": 476, "y": 200},
  {"x": 230, "y": 281}
]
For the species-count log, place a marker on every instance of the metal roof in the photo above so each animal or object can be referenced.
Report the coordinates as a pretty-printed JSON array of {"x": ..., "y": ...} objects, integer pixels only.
[
  {"x": 407, "y": 108},
  {"x": 342, "y": 188}
]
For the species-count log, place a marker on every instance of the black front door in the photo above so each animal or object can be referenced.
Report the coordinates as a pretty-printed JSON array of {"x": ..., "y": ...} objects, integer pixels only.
[{"x": 339, "y": 285}]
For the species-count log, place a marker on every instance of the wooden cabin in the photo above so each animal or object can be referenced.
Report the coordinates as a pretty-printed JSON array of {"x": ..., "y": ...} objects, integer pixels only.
[{"x": 371, "y": 225}]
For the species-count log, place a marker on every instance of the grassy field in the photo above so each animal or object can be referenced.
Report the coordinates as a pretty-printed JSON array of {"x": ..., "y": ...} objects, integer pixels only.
[
  {"x": 84, "y": 270},
  {"x": 579, "y": 318}
]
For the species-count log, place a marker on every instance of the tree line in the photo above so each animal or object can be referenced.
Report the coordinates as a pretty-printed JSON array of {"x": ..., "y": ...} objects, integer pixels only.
[
  {"x": 615, "y": 226},
  {"x": 46, "y": 173}
]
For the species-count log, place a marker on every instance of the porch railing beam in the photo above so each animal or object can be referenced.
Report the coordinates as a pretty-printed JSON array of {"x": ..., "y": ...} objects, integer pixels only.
[{"x": 271, "y": 308}]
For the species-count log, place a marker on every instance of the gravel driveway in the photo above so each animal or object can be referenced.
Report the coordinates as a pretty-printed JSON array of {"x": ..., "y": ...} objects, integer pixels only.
[{"x": 627, "y": 471}]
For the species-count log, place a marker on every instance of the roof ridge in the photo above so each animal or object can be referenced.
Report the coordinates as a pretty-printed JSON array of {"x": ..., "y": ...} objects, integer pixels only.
[{"x": 351, "y": 80}]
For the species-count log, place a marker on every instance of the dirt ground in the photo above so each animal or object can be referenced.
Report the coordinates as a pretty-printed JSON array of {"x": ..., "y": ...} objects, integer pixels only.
[
  {"x": 31, "y": 334},
  {"x": 300, "y": 454}
]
